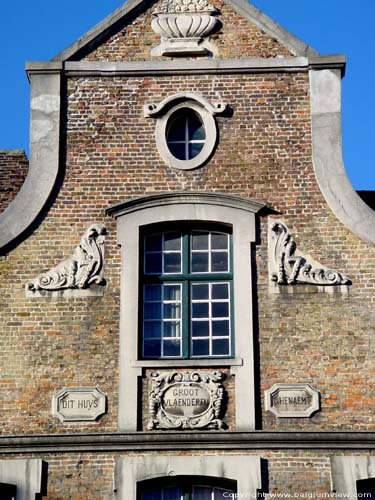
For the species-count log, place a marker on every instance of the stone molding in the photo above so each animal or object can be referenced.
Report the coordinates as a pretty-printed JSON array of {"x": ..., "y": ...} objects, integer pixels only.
[
  {"x": 93, "y": 404},
  {"x": 157, "y": 109},
  {"x": 244, "y": 469},
  {"x": 83, "y": 269},
  {"x": 210, "y": 384},
  {"x": 288, "y": 266},
  {"x": 134, "y": 214},
  {"x": 202, "y": 108},
  {"x": 44, "y": 161},
  {"x": 311, "y": 395},
  {"x": 26, "y": 474},
  {"x": 347, "y": 470},
  {"x": 183, "y": 67},
  {"x": 345, "y": 203},
  {"x": 189, "y": 440},
  {"x": 183, "y": 27}
]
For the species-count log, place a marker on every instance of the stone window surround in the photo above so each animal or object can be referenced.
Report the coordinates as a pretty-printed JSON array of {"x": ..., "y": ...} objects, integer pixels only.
[
  {"x": 25, "y": 474},
  {"x": 347, "y": 470},
  {"x": 244, "y": 469},
  {"x": 209, "y": 126},
  {"x": 205, "y": 111},
  {"x": 217, "y": 208}
]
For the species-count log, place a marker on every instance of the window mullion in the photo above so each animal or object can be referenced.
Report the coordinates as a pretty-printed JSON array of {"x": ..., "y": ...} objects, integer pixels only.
[
  {"x": 185, "y": 297},
  {"x": 187, "y": 138}
]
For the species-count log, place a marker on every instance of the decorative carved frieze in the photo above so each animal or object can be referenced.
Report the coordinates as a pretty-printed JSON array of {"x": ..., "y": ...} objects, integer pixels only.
[
  {"x": 81, "y": 270},
  {"x": 188, "y": 400},
  {"x": 183, "y": 25},
  {"x": 290, "y": 267}
]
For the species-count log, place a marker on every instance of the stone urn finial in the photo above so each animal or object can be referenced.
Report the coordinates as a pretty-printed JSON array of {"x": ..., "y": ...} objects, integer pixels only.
[{"x": 183, "y": 25}]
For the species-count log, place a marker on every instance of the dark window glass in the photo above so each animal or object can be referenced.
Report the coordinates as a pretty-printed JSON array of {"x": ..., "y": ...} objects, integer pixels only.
[
  {"x": 186, "y": 294},
  {"x": 185, "y": 134}
]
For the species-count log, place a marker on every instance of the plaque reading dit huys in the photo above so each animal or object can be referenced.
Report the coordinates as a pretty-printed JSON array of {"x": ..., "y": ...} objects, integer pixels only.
[
  {"x": 189, "y": 400},
  {"x": 79, "y": 404},
  {"x": 292, "y": 400}
]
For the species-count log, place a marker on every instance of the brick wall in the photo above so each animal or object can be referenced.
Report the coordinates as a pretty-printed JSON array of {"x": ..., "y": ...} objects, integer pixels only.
[
  {"x": 13, "y": 170},
  {"x": 236, "y": 38},
  {"x": 263, "y": 152}
]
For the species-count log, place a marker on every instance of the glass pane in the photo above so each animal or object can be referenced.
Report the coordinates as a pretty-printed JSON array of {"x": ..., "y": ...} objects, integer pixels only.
[
  {"x": 152, "y": 495},
  {"x": 196, "y": 129},
  {"x": 200, "y": 328},
  {"x": 152, "y": 348},
  {"x": 153, "y": 263},
  {"x": 219, "y": 262},
  {"x": 152, "y": 292},
  {"x": 194, "y": 149},
  {"x": 172, "y": 241},
  {"x": 152, "y": 310},
  {"x": 200, "y": 292},
  {"x": 171, "y": 329},
  {"x": 200, "y": 310},
  {"x": 220, "y": 291},
  {"x": 202, "y": 493},
  {"x": 220, "y": 347},
  {"x": 177, "y": 150},
  {"x": 201, "y": 347},
  {"x": 172, "y": 494},
  {"x": 152, "y": 329},
  {"x": 199, "y": 241},
  {"x": 153, "y": 243},
  {"x": 199, "y": 262},
  {"x": 177, "y": 128},
  {"x": 172, "y": 311},
  {"x": 220, "y": 310},
  {"x": 172, "y": 263},
  {"x": 220, "y": 328},
  {"x": 172, "y": 292},
  {"x": 219, "y": 241},
  {"x": 171, "y": 347}
]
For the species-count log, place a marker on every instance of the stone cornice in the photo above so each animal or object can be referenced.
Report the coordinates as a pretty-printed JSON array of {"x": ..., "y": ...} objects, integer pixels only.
[
  {"x": 207, "y": 66},
  {"x": 149, "y": 441},
  {"x": 179, "y": 197}
]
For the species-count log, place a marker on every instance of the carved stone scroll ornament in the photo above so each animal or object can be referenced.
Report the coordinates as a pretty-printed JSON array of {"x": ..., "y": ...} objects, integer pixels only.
[
  {"x": 83, "y": 269},
  {"x": 189, "y": 400},
  {"x": 183, "y": 25},
  {"x": 290, "y": 267}
]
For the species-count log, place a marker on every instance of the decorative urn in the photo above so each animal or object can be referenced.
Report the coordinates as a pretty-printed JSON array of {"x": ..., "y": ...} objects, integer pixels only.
[{"x": 183, "y": 25}]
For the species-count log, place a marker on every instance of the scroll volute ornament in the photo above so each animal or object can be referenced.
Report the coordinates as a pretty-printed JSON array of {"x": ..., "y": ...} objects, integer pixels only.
[
  {"x": 83, "y": 269},
  {"x": 183, "y": 25},
  {"x": 289, "y": 266}
]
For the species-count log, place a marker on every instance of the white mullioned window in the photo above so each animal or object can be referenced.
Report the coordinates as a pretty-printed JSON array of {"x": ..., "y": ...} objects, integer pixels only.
[{"x": 187, "y": 294}]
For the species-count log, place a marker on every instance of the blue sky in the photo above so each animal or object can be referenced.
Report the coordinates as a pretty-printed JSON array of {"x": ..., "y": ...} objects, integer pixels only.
[{"x": 39, "y": 29}]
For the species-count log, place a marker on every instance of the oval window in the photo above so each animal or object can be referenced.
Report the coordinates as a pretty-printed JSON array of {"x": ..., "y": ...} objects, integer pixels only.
[{"x": 186, "y": 135}]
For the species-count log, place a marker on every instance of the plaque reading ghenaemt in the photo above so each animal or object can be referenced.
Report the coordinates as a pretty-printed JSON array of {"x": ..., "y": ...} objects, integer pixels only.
[
  {"x": 79, "y": 404},
  {"x": 189, "y": 400},
  {"x": 292, "y": 400}
]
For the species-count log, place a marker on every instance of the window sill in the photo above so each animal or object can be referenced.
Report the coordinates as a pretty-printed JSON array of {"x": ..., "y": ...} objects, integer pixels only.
[{"x": 189, "y": 363}]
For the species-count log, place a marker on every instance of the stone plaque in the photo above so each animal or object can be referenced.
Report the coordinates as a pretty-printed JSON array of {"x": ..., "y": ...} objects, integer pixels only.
[
  {"x": 189, "y": 400},
  {"x": 79, "y": 404},
  {"x": 292, "y": 400}
]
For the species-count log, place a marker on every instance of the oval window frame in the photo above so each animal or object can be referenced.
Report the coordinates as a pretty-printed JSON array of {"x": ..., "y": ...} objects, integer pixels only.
[{"x": 210, "y": 128}]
